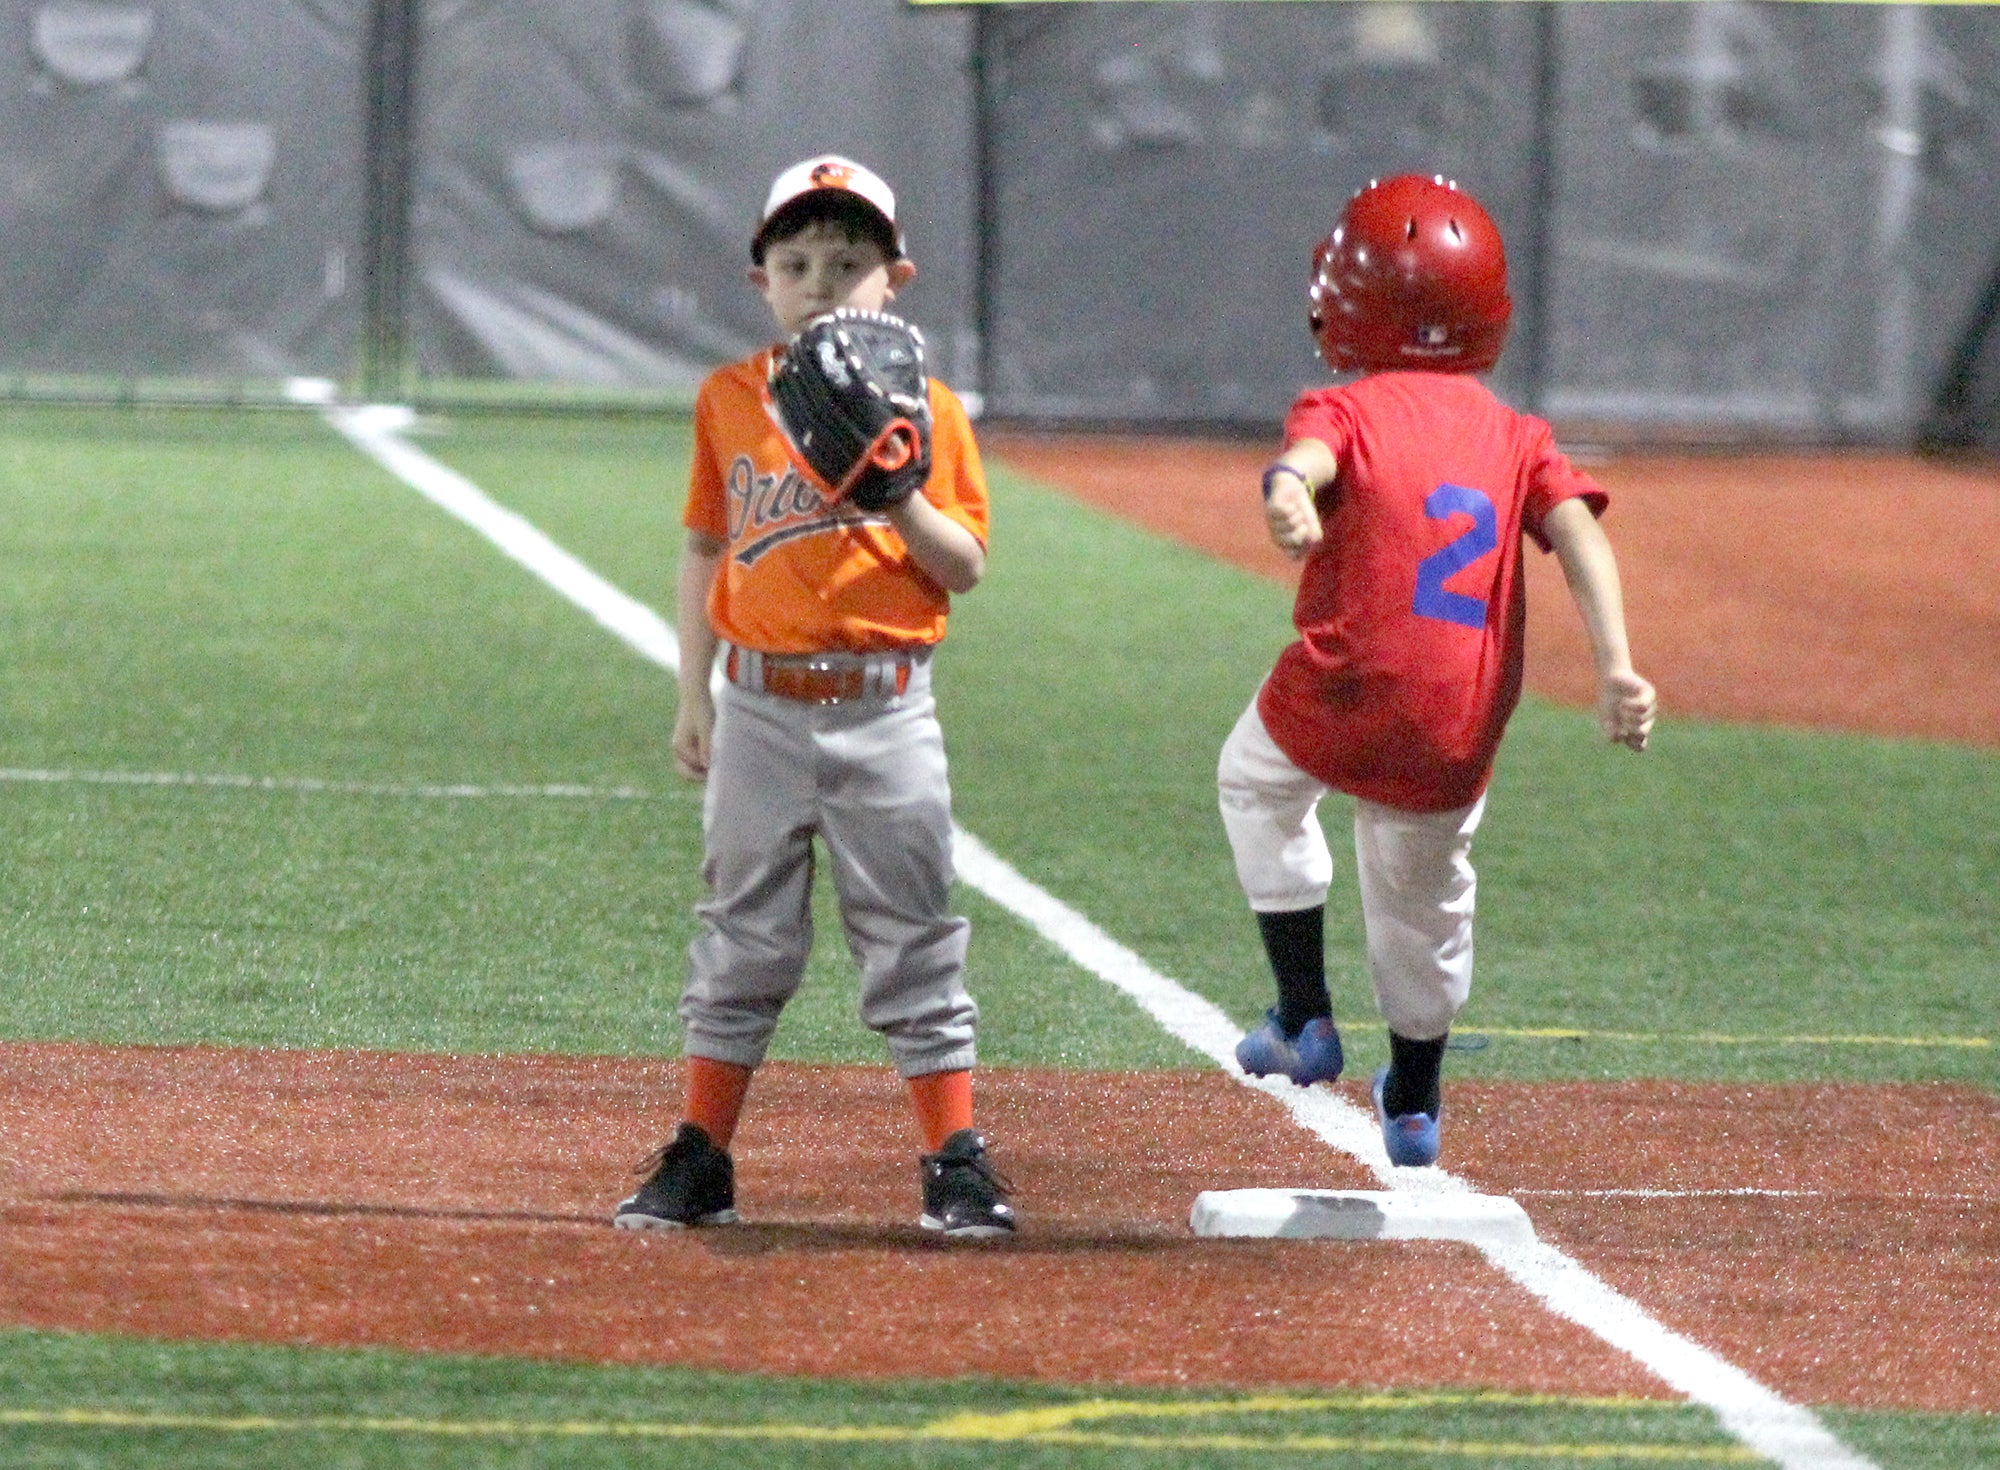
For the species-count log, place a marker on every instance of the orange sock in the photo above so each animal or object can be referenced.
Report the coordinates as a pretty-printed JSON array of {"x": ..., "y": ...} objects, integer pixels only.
[
  {"x": 943, "y": 1101},
  {"x": 715, "y": 1092}
]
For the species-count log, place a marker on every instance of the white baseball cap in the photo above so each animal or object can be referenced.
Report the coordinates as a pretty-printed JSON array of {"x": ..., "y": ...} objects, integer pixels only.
[{"x": 829, "y": 172}]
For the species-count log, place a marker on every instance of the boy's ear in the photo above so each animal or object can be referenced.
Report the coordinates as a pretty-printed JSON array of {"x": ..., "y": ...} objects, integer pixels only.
[
  {"x": 901, "y": 273},
  {"x": 757, "y": 276}
]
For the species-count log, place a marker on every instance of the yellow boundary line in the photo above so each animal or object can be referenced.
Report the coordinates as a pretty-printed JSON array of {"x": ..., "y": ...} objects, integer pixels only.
[
  {"x": 1700, "y": 1038},
  {"x": 1054, "y": 1425}
]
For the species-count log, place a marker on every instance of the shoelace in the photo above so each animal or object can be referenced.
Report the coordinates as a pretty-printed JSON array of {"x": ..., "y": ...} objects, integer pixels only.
[
  {"x": 979, "y": 1165},
  {"x": 648, "y": 1165}
]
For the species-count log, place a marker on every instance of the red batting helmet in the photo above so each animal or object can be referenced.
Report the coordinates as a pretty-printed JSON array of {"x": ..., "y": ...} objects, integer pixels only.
[{"x": 1413, "y": 276}]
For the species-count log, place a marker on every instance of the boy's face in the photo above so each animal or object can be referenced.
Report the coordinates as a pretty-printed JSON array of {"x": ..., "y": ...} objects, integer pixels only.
[{"x": 822, "y": 268}]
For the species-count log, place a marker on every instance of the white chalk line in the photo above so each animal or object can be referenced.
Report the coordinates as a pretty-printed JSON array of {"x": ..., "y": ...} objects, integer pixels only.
[
  {"x": 376, "y": 430},
  {"x": 1784, "y": 1432}
]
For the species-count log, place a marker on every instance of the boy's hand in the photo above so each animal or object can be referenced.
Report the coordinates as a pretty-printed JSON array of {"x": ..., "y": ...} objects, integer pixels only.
[
  {"x": 694, "y": 729},
  {"x": 1291, "y": 516},
  {"x": 1625, "y": 708},
  {"x": 852, "y": 395}
]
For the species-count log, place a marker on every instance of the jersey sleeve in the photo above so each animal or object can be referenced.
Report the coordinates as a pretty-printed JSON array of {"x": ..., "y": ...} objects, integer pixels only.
[
  {"x": 707, "y": 508},
  {"x": 957, "y": 485},
  {"x": 1323, "y": 414},
  {"x": 1552, "y": 479}
]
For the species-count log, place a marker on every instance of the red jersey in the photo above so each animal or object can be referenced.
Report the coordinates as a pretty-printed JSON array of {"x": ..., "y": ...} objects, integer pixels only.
[
  {"x": 796, "y": 577},
  {"x": 1411, "y": 613}
]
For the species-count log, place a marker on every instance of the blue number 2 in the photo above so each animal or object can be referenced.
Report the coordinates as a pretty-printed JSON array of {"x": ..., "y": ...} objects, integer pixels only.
[{"x": 1432, "y": 601}]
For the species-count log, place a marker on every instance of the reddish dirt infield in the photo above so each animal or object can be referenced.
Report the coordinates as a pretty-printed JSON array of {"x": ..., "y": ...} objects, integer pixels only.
[
  {"x": 1839, "y": 1243},
  {"x": 464, "y": 1204},
  {"x": 461, "y": 1204}
]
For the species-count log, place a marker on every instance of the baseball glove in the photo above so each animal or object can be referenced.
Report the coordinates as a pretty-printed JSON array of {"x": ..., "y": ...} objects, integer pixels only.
[{"x": 852, "y": 396}]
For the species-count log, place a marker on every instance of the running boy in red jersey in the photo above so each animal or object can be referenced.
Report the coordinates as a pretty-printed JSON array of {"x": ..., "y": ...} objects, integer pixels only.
[
  {"x": 825, "y": 728},
  {"x": 1407, "y": 492}
]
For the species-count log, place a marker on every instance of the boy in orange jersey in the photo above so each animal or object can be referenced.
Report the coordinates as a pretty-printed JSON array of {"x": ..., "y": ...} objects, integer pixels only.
[{"x": 824, "y": 725}]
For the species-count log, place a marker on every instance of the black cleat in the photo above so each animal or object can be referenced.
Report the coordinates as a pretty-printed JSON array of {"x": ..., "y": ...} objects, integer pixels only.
[
  {"x": 964, "y": 1195},
  {"x": 689, "y": 1182}
]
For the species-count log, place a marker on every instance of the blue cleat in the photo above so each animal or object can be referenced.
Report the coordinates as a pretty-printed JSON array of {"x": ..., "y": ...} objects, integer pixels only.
[
  {"x": 1412, "y": 1138},
  {"x": 1313, "y": 1055}
]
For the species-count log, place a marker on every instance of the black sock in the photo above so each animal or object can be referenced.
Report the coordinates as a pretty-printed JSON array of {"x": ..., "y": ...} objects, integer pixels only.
[
  {"x": 1295, "y": 944},
  {"x": 1412, "y": 1084}
]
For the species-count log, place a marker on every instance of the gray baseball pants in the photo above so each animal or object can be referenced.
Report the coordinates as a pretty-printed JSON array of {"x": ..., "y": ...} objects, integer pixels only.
[{"x": 866, "y": 778}]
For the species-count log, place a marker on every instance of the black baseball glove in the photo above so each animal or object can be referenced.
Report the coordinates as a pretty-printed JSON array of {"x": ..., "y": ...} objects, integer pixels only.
[{"x": 851, "y": 393}]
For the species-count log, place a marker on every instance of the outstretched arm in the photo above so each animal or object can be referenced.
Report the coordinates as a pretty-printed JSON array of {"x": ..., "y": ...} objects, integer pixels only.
[{"x": 1625, "y": 702}]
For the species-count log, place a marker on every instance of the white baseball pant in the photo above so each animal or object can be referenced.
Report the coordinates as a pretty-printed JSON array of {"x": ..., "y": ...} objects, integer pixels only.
[{"x": 1414, "y": 868}]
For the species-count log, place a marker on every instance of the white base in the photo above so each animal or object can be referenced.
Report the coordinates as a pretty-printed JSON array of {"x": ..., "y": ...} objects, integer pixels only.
[{"x": 1356, "y": 1214}]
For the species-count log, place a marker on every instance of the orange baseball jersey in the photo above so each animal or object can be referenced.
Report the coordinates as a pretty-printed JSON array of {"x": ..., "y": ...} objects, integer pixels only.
[{"x": 798, "y": 577}]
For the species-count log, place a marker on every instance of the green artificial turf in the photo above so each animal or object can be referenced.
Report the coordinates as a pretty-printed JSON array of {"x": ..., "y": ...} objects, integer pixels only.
[
  {"x": 207, "y": 596},
  {"x": 1914, "y": 1441},
  {"x": 75, "y": 1400},
  {"x": 217, "y": 1405},
  {"x": 275, "y": 729},
  {"x": 245, "y": 594},
  {"x": 1760, "y": 904},
  {"x": 1719, "y": 907},
  {"x": 242, "y": 595}
]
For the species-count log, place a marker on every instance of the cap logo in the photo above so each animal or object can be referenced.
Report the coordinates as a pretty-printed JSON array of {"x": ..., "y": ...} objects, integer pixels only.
[{"x": 832, "y": 176}]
